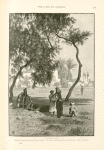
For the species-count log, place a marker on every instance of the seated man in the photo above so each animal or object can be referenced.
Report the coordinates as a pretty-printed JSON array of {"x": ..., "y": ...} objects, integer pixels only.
[{"x": 72, "y": 110}]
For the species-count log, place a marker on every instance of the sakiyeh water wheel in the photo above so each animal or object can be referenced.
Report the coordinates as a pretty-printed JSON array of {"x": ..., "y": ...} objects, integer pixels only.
[
  {"x": 24, "y": 101},
  {"x": 28, "y": 102}
]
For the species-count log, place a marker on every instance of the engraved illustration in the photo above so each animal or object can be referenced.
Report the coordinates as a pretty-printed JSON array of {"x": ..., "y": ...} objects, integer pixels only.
[{"x": 51, "y": 74}]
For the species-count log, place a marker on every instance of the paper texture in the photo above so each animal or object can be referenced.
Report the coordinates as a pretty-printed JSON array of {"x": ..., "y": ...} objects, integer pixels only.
[{"x": 85, "y": 142}]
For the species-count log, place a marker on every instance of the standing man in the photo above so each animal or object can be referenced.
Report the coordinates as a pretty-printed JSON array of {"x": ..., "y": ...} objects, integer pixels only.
[
  {"x": 81, "y": 89},
  {"x": 59, "y": 103}
]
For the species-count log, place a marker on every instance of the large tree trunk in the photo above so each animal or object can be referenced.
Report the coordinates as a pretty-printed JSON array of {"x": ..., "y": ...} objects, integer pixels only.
[
  {"x": 79, "y": 74},
  {"x": 14, "y": 81},
  {"x": 13, "y": 84}
]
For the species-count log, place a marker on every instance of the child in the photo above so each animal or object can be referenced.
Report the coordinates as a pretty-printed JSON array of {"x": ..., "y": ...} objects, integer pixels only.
[
  {"x": 72, "y": 110},
  {"x": 52, "y": 105}
]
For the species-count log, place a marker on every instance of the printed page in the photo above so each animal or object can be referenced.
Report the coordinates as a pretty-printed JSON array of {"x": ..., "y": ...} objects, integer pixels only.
[{"x": 51, "y": 75}]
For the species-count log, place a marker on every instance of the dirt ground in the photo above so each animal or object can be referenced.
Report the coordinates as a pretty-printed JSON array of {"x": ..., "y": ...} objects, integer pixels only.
[{"x": 33, "y": 123}]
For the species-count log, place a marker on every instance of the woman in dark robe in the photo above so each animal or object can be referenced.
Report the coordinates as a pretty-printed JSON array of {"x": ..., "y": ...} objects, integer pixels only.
[{"x": 59, "y": 103}]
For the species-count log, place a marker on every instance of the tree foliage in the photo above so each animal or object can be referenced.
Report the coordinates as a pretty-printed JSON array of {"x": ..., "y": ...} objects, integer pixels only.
[
  {"x": 34, "y": 41},
  {"x": 30, "y": 47},
  {"x": 75, "y": 37},
  {"x": 64, "y": 69}
]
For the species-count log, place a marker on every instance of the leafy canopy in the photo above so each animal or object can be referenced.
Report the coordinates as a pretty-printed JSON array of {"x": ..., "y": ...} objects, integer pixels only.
[
  {"x": 29, "y": 47},
  {"x": 34, "y": 41}
]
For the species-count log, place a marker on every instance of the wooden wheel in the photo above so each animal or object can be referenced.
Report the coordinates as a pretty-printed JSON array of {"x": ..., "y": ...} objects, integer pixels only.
[
  {"x": 18, "y": 101},
  {"x": 23, "y": 101}
]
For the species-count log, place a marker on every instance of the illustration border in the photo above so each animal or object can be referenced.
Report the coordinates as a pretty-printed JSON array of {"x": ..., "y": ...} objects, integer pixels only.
[{"x": 93, "y": 93}]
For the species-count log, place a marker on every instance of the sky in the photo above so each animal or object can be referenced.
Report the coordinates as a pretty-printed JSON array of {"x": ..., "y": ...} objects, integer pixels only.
[{"x": 86, "y": 52}]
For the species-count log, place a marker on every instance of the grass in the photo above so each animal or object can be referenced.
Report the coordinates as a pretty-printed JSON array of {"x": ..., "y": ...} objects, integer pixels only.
[{"x": 30, "y": 123}]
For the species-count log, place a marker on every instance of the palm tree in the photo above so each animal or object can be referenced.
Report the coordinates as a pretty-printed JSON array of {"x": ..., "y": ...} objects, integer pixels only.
[
  {"x": 71, "y": 65},
  {"x": 61, "y": 69}
]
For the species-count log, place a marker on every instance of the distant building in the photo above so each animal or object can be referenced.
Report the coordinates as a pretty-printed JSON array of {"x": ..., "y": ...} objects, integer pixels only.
[
  {"x": 86, "y": 79},
  {"x": 55, "y": 77},
  {"x": 27, "y": 74}
]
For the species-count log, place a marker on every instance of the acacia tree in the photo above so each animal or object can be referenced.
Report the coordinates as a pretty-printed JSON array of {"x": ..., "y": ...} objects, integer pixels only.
[
  {"x": 27, "y": 48},
  {"x": 28, "y": 44},
  {"x": 61, "y": 26},
  {"x": 75, "y": 37}
]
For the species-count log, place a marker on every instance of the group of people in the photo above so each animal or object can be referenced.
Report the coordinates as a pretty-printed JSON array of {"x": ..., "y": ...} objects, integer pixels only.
[{"x": 56, "y": 104}]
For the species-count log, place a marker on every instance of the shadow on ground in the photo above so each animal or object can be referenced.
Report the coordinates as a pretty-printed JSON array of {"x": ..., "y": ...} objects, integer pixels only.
[{"x": 43, "y": 102}]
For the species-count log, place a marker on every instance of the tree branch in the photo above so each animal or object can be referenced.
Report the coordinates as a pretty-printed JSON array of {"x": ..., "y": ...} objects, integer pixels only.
[
  {"x": 48, "y": 40},
  {"x": 64, "y": 38},
  {"x": 77, "y": 54},
  {"x": 30, "y": 61}
]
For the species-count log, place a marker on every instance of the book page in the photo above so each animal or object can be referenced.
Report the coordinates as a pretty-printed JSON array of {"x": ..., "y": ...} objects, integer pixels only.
[{"x": 32, "y": 120}]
